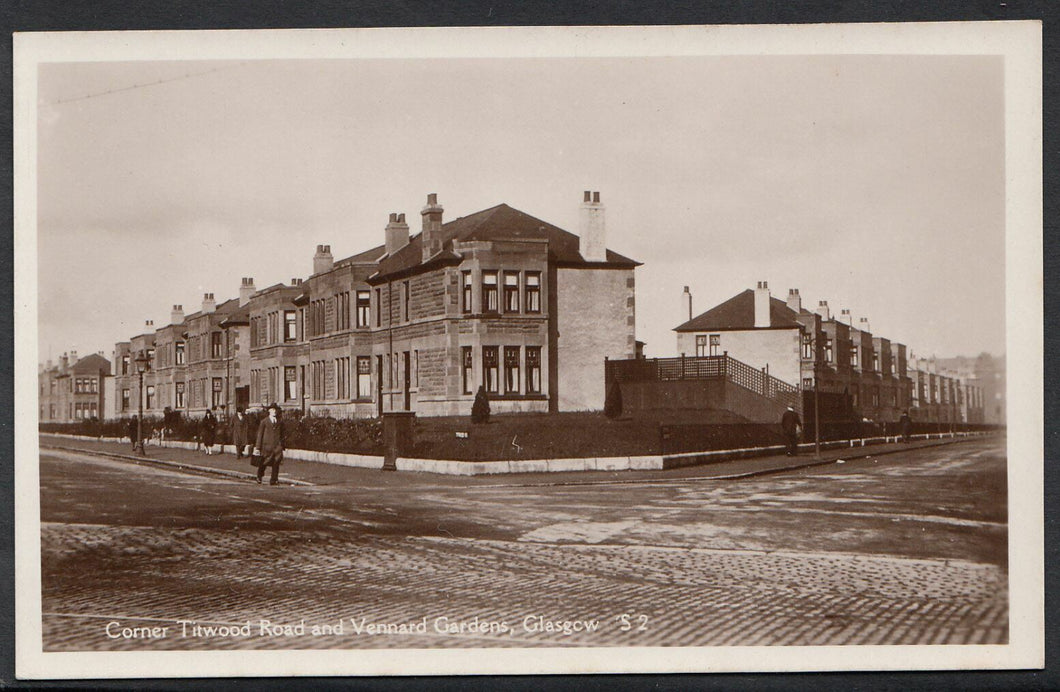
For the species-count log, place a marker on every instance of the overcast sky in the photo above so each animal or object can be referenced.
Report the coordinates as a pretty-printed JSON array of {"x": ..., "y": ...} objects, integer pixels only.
[{"x": 874, "y": 182}]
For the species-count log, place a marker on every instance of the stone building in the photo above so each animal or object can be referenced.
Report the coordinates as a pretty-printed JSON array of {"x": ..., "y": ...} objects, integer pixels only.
[
  {"x": 875, "y": 377},
  {"x": 74, "y": 388},
  {"x": 497, "y": 299}
]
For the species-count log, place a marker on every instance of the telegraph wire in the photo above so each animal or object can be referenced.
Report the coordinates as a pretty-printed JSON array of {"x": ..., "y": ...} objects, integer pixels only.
[{"x": 132, "y": 87}]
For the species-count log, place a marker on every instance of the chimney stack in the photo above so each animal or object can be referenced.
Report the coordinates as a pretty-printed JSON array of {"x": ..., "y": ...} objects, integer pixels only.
[
  {"x": 64, "y": 361},
  {"x": 397, "y": 233},
  {"x": 176, "y": 316},
  {"x": 794, "y": 300},
  {"x": 686, "y": 297},
  {"x": 845, "y": 316},
  {"x": 208, "y": 303},
  {"x": 431, "y": 237},
  {"x": 322, "y": 260},
  {"x": 823, "y": 311},
  {"x": 149, "y": 325},
  {"x": 246, "y": 290},
  {"x": 762, "y": 305},
  {"x": 295, "y": 281},
  {"x": 863, "y": 324},
  {"x": 593, "y": 233},
  {"x": 73, "y": 357}
]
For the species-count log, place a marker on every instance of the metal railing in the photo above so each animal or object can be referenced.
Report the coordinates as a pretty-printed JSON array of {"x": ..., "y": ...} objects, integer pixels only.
[{"x": 722, "y": 367}]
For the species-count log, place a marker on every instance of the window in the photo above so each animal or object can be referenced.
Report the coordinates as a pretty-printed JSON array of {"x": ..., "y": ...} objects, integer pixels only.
[
  {"x": 150, "y": 402},
  {"x": 378, "y": 307},
  {"x": 51, "y": 408},
  {"x": 490, "y": 379},
  {"x": 93, "y": 385},
  {"x": 151, "y": 357},
  {"x": 124, "y": 400},
  {"x": 179, "y": 400},
  {"x": 178, "y": 353},
  {"x": 342, "y": 307},
  {"x": 406, "y": 297},
  {"x": 511, "y": 291},
  {"x": 875, "y": 397},
  {"x": 125, "y": 364},
  {"x": 466, "y": 365},
  {"x": 701, "y": 345},
  {"x": 533, "y": 369},
  {"x": 416, "y": 369},
  {"x": 875, "y": 361},
  {"x": 489, "y": 291},
  {"x": 854, "y": 356},
  {"x": 215, "y": 344},
  {"x": 465, "y": 291},
  {"x": 894, "y": 398},
  {"x": 533, "y": 291},
  {"x": 807, "y": 346},
  {"x": 715, "y": 344},
  {"x": 364, "y": 377},
  {"x": 217, "y": 392},
  {"x": 290, "y": 325},
  {"x": 342, "y": 378},
  {"x": 511, "y": 369},
  {"x": 290, "y": 383},
  {"x": 807, "y": 383},
  {"x": 364, "y": 308},
  {"x": 854, "y": 396}
]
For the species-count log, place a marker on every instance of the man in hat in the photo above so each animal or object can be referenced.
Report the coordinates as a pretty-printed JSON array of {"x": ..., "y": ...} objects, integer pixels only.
[
  {"x": 240, "y": 431},
  {"x": 790, "y": 424},
  {"x": 270, "y": 444}
]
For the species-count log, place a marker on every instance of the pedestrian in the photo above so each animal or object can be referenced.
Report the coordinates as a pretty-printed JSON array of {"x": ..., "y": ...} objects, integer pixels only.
[
  {"x": 132, "y": 429},
  {"x": 905, "y": 425},
  {"x": 790, "y": 423},
  {"x": 208, "y": 428},
  {"x": 240, "y": 431},
  {"x": 270, "y": 445}
]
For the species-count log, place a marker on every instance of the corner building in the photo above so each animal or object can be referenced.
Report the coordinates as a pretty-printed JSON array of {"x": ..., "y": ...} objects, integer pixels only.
[{"x": 497, "y": 299}]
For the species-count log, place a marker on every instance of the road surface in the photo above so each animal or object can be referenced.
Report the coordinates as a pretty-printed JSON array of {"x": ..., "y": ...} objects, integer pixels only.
[{"x": 907, "y": 548}]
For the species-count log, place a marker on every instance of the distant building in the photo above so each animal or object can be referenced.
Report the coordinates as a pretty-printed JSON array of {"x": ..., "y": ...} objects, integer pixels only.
[
  {"x": 868, "y": 375},
  {"x": 74, "y": 389}
]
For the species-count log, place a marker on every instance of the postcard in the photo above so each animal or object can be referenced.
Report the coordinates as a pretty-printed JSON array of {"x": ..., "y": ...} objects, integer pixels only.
[{"x": 529, "y": 350}]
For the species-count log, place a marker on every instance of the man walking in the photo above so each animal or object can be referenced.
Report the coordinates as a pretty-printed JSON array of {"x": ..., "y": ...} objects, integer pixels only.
[
  {"x": 790, "y": 424},
  {"x": 240, "y": 432},
  {"x": 270, "y": 444},
  {"x": 905, "y": 425}
]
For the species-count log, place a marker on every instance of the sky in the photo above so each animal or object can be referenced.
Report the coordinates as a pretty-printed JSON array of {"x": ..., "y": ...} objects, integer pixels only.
[{"x": 873, "y": 182}]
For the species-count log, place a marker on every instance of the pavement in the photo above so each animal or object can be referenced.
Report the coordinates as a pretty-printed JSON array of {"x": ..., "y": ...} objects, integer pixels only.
[{"x": 296, "y": 472}]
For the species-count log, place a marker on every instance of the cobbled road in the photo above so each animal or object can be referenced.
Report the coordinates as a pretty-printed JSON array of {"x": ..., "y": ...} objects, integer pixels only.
[{"x": 907, "y": 548}]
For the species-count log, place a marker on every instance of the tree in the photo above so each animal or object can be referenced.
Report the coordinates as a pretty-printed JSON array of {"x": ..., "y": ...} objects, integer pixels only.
[
  {"x": 613, "y": 401},
  {"x": 480, "y": 410}
]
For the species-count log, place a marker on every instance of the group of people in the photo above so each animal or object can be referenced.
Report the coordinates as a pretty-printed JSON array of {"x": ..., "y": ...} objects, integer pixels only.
[
  {"x": 791, "y": 426},
  {"x": 247, "y": 432}
]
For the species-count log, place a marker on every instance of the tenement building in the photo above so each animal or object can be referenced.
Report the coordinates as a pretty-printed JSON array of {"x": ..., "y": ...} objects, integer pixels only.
[
  {"x": 868, "y": 375},
  {"x": 498, "y": 300},
  {"x": 74, "y": 388}
]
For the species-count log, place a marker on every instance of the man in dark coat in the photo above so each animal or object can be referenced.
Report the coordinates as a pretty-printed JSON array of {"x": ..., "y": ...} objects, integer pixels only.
[
  {"x": 207, "y": 429},
  {"x": 132, "y": 430},
  {"x": 790, "y": 424},
  {"x": 240, "y": 429},
  {"x": 905, "y": 425},
  {"x": 270, "y": 444}
]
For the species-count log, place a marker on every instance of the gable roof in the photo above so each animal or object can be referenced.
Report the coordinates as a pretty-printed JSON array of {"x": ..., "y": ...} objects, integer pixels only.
[
  {"x": 92, "y": 363},
  {"x": 738, "y": 312},
  {"x": 498, "y": 223}
]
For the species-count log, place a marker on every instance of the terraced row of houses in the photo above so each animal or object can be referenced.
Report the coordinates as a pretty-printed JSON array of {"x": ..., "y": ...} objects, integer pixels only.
[
  {"x": 498, "y": 299},
  {"x": 538, "y": 317}
]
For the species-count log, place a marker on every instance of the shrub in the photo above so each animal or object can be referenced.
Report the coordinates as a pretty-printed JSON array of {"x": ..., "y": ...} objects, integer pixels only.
[
  {"x": 613, "y": 401},
  {"x": 480, "y": 410}
]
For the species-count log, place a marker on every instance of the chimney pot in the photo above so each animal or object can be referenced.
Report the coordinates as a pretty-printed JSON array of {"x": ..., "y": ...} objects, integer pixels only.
[
  {"x": 762, "y": 316},
  {"x": 431, "y": 235},
  {"x": 592, "y": 241}
]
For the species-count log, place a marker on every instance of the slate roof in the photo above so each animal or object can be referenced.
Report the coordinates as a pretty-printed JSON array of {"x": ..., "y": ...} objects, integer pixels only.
[
  {"x": 738, "y": 312},
  {"x": 498, "y": 223},
  {"x": 92, "y": 363}
]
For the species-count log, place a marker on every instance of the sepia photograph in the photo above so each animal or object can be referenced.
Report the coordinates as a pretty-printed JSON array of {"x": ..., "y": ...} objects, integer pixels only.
[{"x": 640, "y": 349}]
